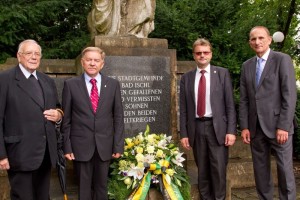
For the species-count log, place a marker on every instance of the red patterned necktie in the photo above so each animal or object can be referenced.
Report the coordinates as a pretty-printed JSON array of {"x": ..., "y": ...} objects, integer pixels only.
[
  {"x": 201, "y": 95},
  {"x": 94, "y": 95}
]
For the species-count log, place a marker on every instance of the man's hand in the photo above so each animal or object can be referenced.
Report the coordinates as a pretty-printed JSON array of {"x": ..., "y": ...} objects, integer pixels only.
[
  {"x": 282, "y": 136},
  {"x": 116, "y": 155},
  {"x": 185, "y": 143},
  {"x": 229, "y": 139},
  {"x": 246, "y": 136},
  {"x": 53, "y": 115},
  {"x": 4, "y": 164},
  {"x": 70, "y": 156}
]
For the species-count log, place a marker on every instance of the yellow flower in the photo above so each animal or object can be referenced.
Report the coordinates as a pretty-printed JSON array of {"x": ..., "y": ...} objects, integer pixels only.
[
  {"x": 161, "y": 162},
  {"x": 150, "y": 149},
  {"x": 157, "y": 137},
  {"x": 140, "y": 165},
  {"x": 150, "y": 138},
  {"x": 175, "y": 152},
  {"x": 130, "y": 145},
  {"x": 136, "y": 141},
  {"x": 139, "y": 157},
  {"x": 139, "y": 150},
  {"x": 128, "y": 181},
  {"x": 159, "y": 153},
  {"x": 158, "y": 171},
  {"x": 123, "y": 165},
  {"x": 128, "y": 140},
  {"x": 171, "y": 172}
]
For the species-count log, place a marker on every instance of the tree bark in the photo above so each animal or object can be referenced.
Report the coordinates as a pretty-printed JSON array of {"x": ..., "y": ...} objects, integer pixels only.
[{"x": 291, "y": 13}]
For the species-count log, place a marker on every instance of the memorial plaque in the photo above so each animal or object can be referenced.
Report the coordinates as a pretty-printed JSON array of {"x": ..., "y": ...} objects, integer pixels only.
[{"x": 145, "y": 89}]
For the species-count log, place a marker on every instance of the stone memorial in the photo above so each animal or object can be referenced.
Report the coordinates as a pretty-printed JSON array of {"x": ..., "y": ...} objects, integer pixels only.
[{"x": 145, "y": 89}]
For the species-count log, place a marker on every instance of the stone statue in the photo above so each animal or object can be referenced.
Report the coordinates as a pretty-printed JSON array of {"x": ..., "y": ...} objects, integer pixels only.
[{"x": 122, "y": 18}]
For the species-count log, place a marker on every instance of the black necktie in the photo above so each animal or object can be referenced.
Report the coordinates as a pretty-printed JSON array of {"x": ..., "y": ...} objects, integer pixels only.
[{"x": 38, "y": 89}]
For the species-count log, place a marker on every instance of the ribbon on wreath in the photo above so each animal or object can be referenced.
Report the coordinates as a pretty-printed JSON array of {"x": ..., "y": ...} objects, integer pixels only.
[
  {"x": 140, "y": 193},
  {"x": 169, "y": 191}
]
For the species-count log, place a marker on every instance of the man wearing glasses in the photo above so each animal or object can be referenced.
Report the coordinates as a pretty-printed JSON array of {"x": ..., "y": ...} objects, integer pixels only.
[
  {"x": 29, "y": 108},
  {"x": 208, "y": 120}
]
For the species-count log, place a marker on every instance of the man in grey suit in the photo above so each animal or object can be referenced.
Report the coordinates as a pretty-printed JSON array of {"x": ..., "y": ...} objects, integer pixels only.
[
  {"x": 29, "y": 108},
  {"x": 267, "y": 108},
  {"x": 93, "y": 124},
  {"x": 208, "y": 122}
]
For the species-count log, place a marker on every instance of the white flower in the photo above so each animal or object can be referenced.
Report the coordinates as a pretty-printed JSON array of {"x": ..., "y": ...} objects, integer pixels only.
[
  {"x": 167, "y": 138},
  {"x": 136, "y": 172},
  {"x": 149, "y": 158},
  {"x": 178, "y": 159},
  {"x": 140, "y": 137},
  {"x": 162, "y": 144}
]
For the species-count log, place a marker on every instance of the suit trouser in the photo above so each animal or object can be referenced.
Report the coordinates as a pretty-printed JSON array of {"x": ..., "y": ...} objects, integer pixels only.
[
  {"x": 261, "y": 147},
  {"x": 31, "y": 185},
  {"x": 92, "y": 178},
  {"x": 211, "y": 159}
]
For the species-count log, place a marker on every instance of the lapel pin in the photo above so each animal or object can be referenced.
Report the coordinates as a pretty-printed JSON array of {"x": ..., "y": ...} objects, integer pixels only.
[
  {"x": 104, "y": 85},
  {"x": 215, "y": 71}
]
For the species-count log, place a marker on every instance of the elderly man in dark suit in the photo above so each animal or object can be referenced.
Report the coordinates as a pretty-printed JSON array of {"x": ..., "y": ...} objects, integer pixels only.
[
  {"x": 27, "y": 116},
  {"x": 267, "y": 108},
  {"x": 208, "y": 120},
  {"x": 93, "y": 124}
]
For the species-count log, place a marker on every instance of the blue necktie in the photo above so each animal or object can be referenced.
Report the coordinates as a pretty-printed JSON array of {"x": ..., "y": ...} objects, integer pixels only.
[{"x": 259, "y": 69}]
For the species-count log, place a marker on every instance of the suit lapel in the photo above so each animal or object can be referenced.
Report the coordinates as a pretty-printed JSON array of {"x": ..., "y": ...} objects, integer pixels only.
[
  {"x": 267, "y": 68},
  {"x": 25, "y": 85},
  {"x": 252, "y": 71},
  {"x": 192, "y": 84},
  {"x": 83, "y": 90},
  {"x": 213, "y": 78},
  {"x": 45, "y": 87}
]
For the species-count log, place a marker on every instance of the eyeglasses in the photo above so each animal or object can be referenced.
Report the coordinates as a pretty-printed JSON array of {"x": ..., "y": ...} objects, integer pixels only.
[
  {"x": 30, "y": 54},
  {"x": 202, "y": 52},
  {"x": 95, "y": 60}
]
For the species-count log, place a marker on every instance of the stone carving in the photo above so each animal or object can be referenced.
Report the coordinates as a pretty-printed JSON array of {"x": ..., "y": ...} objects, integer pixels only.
[{"x": 122, "y": 18}]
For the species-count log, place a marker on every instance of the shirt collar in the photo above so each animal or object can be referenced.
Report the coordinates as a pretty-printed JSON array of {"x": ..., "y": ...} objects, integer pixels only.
[
  {"x": 88, "y": 78},
  {"x": 27, "y": 73},
  {"x": 266, "y": 55},
  {"x": 207, "y": 69}
]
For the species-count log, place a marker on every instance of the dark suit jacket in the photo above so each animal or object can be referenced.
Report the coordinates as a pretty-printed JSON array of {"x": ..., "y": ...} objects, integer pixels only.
[
  {"x": 24, "y": 130},
  {"x": 273, "y": 102},
  {"x": 82, "y": 129},
  {"x": 222, "y": 104}
]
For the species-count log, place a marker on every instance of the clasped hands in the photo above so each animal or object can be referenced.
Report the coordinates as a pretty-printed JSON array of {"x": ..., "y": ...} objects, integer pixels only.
[{"x": 54, "y": 115}]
